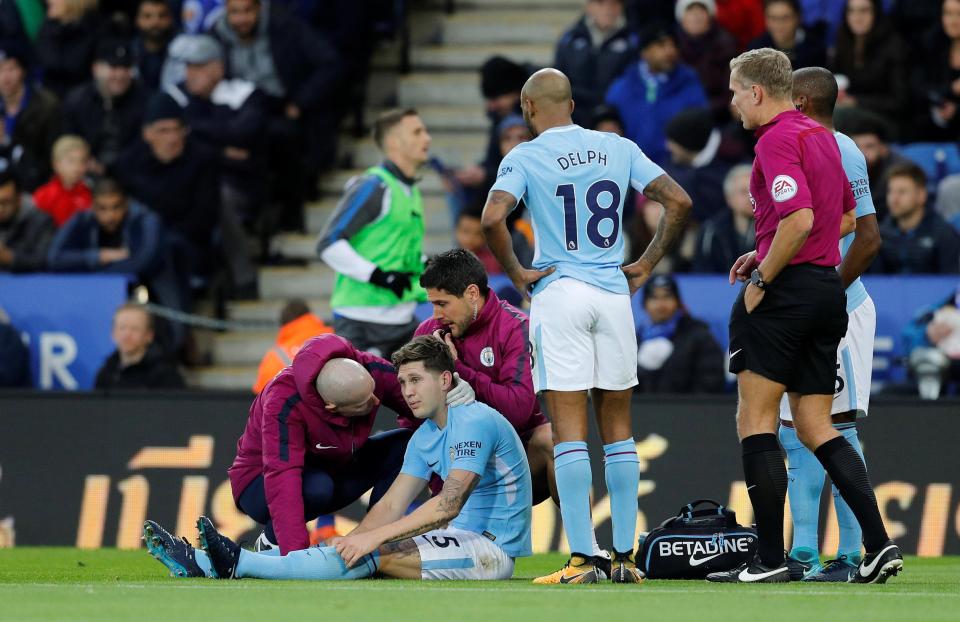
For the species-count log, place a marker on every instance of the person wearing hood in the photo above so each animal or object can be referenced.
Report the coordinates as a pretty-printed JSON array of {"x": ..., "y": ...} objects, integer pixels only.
[
  {"x": 678, "y": 353},
  {"x": 307, "y": 448},
  {"x": 654, "y": 89},
  {"x": 693, "y": 143},
  {"x": 138, "y": 362},
  {"x": 594, "y": 52}
]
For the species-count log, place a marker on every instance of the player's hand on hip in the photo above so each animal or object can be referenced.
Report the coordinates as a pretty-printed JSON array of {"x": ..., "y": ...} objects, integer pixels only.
[
  {"x": 637, "y": 274},
  {"x": 743, "y": 266},
  {"x": 446, "y": 338},
  {"x": 352, "y": 548},
  {"x": 524, "y": 279},
  {"x": 461, "y": 393},
  {"x": 752, "y": 297}
]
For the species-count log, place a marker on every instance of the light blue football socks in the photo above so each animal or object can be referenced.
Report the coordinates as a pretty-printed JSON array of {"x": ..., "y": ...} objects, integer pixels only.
[
  {"x": 571, "y": 463},
  {"x": 316, "y": 562},
  {"x": 622, "y": 474}
]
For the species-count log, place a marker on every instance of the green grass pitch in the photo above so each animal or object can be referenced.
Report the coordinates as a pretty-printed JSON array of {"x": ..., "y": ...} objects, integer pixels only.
[{"x": 73, "y": 585}]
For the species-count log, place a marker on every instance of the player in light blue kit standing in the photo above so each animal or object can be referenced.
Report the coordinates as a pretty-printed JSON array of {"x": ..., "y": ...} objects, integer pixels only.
[
  {"x": 815, "y": 95},
  {"x": 474, "y": 529},
  {"x": 581, "y": 326}
]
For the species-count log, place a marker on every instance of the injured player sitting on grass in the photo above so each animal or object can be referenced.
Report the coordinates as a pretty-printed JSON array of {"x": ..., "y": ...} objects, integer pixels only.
[{"x": 474, "y": 529}]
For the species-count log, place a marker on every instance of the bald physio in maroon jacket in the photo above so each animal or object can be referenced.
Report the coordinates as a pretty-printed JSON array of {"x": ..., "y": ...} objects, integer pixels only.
[
  {"x": 307, "y": 448},
  {"x": 488, "y": 339}
]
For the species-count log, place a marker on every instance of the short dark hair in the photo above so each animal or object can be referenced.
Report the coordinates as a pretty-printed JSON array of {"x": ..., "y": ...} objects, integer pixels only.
[
  {"x": 820, "y": 88},
  {"x": 454, "y": 271},
  {"x": 909, "y": 170},
  {"x": 794, "y": 5},
  {"x": 387, "y": 120},
  {"x": 10, "y": 176},
  {"x": 433, "y": 352},
  {"x": 292, "y": 310},
  {"x": 108, "y": 185}
]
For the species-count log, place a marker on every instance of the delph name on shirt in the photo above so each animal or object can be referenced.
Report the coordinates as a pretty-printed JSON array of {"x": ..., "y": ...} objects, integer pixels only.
[{"x": 579, "y": 159}]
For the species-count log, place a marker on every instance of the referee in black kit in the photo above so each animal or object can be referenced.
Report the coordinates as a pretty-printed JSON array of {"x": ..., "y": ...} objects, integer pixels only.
[{"x": 790, "y": 316}]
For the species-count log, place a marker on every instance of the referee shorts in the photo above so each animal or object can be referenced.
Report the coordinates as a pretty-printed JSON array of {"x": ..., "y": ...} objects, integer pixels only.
[{"x": 792, "y": 336}]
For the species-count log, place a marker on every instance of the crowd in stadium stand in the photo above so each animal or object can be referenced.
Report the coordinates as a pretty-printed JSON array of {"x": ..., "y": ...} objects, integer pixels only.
[{"x": 160, "y": 138}]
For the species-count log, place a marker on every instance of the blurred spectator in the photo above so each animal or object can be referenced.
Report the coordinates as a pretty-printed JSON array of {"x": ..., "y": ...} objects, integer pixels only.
[
  {"x": 66, "y": 193},
  {"x": 829, "y": 14},
  {"x": 870, "y": 60},
  {"x": 14, "y": 356},
  {"x": 932, "y": 341},
  {"x": 107, "y": 111},
  {"x": 25, "y": 231},
  {"x": 374, "y": 241},
  {"x": 154, "y": 24},
  {"x": 227, "y": 116},
  {"x": 199, "y": 16},
  {"x": 137, "y": 363},
  {"x": 173, "y": 175},
  {"x": 741, "y": 18},
  {"x": 948, "y": 200},
  {"x": 870, "y": 133},
  {"x": 707, "y": 48},
  {"x": 31, "y": 117},
  {"x": 939, "y": 77},
  {"x": 606, "y": 118},
  {"x": 731, "y": 233},
  {"x": 653, "y": 90},
  {"x": 66, "y": 43},
  {"x": 678, "y": 353},
  {"x": 805, "y": 46},
  {"x": 13, "y": 29},
  {"x": 469, "y": 236},
  {"x": 297, "y": 324},
  {"x": 121, "y": 237},
  {"x": 594, "y": 52},
  {"x": 300, "y": 72},
  {"x": 916, "y": 240},
  {"x": 693, "y": 143},
  {"x": 500, "y": 82}
]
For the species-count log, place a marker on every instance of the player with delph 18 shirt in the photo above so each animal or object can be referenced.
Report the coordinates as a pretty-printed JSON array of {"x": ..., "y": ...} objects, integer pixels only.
[{"x": 789, "y": 318}]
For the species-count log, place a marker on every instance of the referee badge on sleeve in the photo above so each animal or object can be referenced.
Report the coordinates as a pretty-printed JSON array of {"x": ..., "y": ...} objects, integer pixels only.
[{"x": 784, "y": 188}]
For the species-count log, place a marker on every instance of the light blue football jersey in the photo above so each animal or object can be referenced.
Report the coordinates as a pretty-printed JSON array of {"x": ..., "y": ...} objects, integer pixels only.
[
  {"x": 574, "y": 182},
  {"x": 477, "y": 438},
  {"x": 855, "y": 166}
]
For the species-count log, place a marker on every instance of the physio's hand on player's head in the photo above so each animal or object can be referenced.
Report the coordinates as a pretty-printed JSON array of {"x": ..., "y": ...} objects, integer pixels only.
[
  {"x": 461, "y": 393},
  {"x": 447, "y": 338},
  {"x": 637, "y": 274},
  {"x": 352, "y": 548},
  {"x": 743, "y": 266},
  {"x": 524, "y": 279}
]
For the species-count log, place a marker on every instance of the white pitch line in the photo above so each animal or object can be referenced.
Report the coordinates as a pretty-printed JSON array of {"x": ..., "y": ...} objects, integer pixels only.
[{"x": 254, "y": 584}]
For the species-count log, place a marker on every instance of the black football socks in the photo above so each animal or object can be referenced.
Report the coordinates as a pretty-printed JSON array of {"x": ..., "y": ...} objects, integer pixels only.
[
  {"x": 849, "y": 475},
  {"x": 766, "y": 479}
]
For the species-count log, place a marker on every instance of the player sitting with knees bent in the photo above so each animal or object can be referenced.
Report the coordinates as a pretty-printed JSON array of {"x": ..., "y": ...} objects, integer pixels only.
[
  {"x": 574, "y": 182},
  {"x": 487, "y": 338},
  {"x": 307, "y": 448},
  {"x": 475, "y": 527}
]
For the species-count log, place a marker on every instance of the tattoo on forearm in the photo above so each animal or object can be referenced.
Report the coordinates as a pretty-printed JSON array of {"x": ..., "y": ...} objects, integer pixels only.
[
  {"x": 400, "y": 548},
  {"x": 449, "y": 502},
  {"x": 498, "y": 238},
  {"x": 676, "y": 210}
]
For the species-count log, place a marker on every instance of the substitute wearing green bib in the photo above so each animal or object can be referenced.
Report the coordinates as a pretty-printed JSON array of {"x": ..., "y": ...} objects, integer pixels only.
[{"x": 393, "y": 242}]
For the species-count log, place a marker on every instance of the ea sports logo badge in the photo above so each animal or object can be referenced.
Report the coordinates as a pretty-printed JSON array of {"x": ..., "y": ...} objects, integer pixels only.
[
  {"x": 784, "y": 188},
  {"x": 486, "y": 356}
]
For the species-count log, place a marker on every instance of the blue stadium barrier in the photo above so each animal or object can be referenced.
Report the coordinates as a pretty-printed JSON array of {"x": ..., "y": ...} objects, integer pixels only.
[
  {"x": 897, "y": 298},
  {"x": 66, "y": 321}
]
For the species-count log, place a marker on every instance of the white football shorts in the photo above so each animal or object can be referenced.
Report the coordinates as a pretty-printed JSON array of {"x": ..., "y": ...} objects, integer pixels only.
[
  {"x": 854, "y": 365},
  {"x": 583, "y": 337},
  {"x": 456, "y": 554}
]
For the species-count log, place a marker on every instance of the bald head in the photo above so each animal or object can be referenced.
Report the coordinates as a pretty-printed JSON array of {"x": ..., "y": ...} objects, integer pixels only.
[
  {"x": 344, "y": 382},
  {"x": 815, "y": 88},
  {"x": 547, "y": 100}
]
